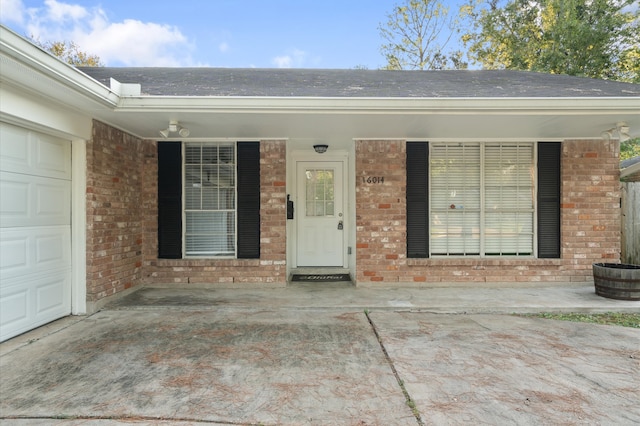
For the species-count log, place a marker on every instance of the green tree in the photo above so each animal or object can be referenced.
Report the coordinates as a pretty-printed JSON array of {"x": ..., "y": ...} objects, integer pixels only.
[
  {"x": 417, "y": 34},
  {"x": 69, "y": 52},
  {"x": 591, "y": 38},
  {"x": 630, "y": 149}
]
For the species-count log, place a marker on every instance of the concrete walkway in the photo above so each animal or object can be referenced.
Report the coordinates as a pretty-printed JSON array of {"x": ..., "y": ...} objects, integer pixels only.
[
  {"x": 327, "y": 354},
  {"x": 512, "y": 298}
]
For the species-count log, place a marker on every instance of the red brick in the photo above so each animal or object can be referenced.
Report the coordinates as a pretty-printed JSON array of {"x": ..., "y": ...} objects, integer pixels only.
[
  {"x": 122, "y": 240},
  {"x": 587, "y": 216}
]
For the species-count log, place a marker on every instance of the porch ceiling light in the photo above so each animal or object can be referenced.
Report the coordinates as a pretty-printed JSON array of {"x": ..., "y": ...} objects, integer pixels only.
[
  {"x": 621, "y": 131},
  {"x": 174, "y": 127},
  {"x": 321, "y": 148}
]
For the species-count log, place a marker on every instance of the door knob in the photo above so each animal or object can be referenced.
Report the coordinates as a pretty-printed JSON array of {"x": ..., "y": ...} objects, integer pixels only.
[{"x": 340, "y": 225}]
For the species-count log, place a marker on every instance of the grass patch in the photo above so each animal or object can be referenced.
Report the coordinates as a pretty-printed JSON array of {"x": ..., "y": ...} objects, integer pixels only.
[{"x": 609, "y": 318}]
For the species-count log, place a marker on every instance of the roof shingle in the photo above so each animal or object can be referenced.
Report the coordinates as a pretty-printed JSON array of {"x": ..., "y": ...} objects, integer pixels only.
[{"x": 359, "y": 83}]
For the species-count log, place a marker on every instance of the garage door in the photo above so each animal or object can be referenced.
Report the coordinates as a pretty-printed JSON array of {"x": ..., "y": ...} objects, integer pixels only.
[{"x": 35, "y": 229}]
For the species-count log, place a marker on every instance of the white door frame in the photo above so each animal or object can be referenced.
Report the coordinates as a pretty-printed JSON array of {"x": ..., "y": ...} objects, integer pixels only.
[
  {"x": 78, "y": 201},
  {"x": 292, "y": 191},
  {"x": 72, "y": 245},
  {"x": 320, "y": 238},
  {"x": 78, "y": 227}
]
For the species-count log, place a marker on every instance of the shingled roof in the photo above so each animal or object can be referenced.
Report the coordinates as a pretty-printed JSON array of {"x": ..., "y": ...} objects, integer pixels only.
[{"x": 359, "y": 83}]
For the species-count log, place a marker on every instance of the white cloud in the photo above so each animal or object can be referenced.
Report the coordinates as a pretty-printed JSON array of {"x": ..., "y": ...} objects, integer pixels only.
[
  {"x": 136, "y": 43},
  {"x": 282, "y": 61},
  {"x": 223, "y": 47},
  {"x": 12, "y": 11},
  {"x": 57, "y": 11},
  {"x": 295, "y": 58},
  {"x": 127, "y": 43}
]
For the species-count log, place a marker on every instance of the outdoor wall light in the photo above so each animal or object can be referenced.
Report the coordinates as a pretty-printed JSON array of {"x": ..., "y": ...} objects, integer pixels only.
[
  {"x": 174, "y": 127},
  {"x": 321, "y": 149},
  {"x": 621, "y": 131}
]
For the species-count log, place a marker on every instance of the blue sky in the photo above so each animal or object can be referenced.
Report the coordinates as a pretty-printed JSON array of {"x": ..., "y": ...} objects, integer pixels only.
[{"x": 217, "y": 33}]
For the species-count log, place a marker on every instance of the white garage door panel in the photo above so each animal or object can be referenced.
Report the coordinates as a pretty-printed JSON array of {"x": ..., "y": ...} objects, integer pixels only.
[
  {"x": 52, "y": 296},
  {"x": 27, "y": 200},
  {"x": 15, "y": 248},
  {"x": 13, "y": 310},
  {"x": 15, "y": 154},
  {"x": 53, "y": 156},
  {"x": 26, "y": 304},
  {"x": 27, "y": 152},
  {"x": 32, "y": 251},
  {"x": 14, "y": 198},
  {"x": 35, "y": 229}
]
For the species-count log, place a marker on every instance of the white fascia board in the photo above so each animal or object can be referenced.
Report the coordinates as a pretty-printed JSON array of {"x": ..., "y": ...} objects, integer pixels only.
[
  {"x": 18, "y": 55},
  {"x": 632, "y": 169},
  {"x": 538, "y": 106}
]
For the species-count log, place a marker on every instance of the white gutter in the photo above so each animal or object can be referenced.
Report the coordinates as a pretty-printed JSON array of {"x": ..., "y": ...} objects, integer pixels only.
[
  {"x": 17, "y": 51},
  {"x": 539, "y": 106},
  {"x": 632, "y": 169}
]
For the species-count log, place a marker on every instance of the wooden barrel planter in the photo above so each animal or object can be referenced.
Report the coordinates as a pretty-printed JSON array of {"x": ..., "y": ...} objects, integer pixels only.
[{"x": 617, "y": 280}]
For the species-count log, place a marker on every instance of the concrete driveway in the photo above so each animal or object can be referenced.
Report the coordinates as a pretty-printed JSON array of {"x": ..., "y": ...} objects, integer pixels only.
[{"x": 150, "y": 360}]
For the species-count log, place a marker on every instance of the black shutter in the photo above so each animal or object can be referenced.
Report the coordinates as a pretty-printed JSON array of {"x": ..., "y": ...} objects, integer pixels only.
[
  {"x": 248, "y": 200},
  {"x": 549, "y": 199},
  {"x": 417, "y": 199},
  {"x": 169, "y": 200}
]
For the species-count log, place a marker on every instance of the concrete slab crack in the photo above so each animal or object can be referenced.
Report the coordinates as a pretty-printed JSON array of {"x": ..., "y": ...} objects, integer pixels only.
[
  {"x": 410, "y": 402},
  {"x": 132, "y": 418}
]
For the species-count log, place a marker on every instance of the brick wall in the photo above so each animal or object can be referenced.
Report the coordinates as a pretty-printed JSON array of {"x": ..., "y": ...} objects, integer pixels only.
[
  {"x": 590, "y": 205},
  {"x": 114, "y": 214},
  {"x": 122, "y": 221},
  {"x": 380, "y": 211},
  {"x": 270, "y": 269},
  {"x": 590, "y": 217}
]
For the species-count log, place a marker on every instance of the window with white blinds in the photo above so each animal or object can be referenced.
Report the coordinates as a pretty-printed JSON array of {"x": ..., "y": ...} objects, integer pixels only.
[
  {"x": 209, "y": 199},
  {"x": 482, "y": 199}
]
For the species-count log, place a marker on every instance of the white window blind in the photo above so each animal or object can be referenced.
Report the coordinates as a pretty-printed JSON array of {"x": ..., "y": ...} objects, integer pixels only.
[
  {"x": 481, "y": 199},
  {"x": 508, "y": 183},
  {"x": 455, "y": 199},
  {"x": 210, "y": 199}
]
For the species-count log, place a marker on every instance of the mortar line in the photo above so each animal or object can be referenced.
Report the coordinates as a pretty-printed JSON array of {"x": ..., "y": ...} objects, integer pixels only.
[{"x": 409, "y": 401}]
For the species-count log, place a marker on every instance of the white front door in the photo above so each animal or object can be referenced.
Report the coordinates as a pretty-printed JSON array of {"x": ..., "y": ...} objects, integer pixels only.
[{"x": 319, "y": 215}]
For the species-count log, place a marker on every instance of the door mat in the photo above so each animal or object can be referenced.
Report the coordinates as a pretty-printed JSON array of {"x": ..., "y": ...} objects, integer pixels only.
[{"x": 321, "y": 277}]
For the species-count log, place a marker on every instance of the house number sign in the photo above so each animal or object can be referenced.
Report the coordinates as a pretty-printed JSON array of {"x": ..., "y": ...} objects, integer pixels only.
[{"x": 372, "y": 179}]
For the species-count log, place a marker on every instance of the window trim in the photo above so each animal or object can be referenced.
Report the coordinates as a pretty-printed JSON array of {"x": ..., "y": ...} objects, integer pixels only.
[
  {"x": 418, "y": 222},
  {"x": 185, "y": 255},
  {"x": 170, "y": 201},
  {"x": 481, "y": 210}
]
